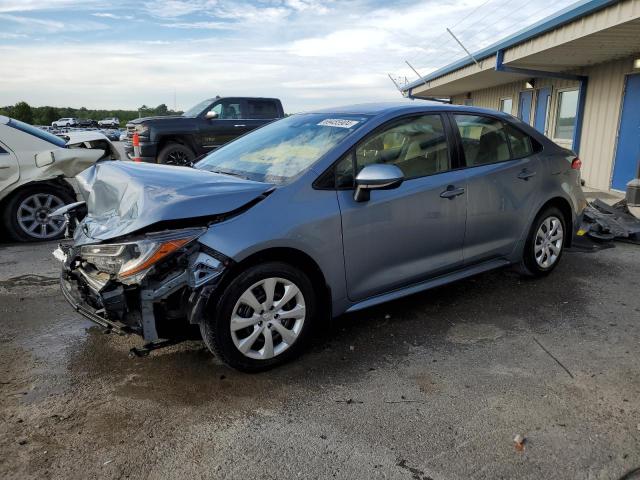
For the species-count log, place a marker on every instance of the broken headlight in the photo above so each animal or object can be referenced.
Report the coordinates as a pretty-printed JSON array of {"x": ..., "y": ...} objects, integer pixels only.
[{"x": 130, "y": 261}]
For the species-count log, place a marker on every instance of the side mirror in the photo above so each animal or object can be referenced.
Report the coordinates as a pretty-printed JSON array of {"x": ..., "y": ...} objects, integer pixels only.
[
  {"x": 378, "y": 176},
  {"x": 210, "y": 115},
  {"x": 44, "y": 158}
]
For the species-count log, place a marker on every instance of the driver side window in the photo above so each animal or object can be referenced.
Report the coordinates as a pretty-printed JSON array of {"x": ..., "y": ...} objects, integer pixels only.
[
  {"x": 227, "y": 110},
  {"x": 418, "y": 146}
]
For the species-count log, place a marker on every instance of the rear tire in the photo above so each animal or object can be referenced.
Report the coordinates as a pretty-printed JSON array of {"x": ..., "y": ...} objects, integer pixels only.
[
  {"x": 545, "y": 244},
  {"x": 17, "y": 219},
  {"x": 176, "y": 154},
  {"x": 254, "y": 339}
]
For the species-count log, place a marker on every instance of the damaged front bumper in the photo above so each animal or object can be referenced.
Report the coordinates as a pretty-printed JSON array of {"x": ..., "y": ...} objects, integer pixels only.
[{"x": 169, "y": 297}]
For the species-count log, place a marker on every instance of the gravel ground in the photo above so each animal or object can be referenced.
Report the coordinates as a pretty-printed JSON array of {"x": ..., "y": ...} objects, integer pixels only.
[{"x": 435, "y": 386}]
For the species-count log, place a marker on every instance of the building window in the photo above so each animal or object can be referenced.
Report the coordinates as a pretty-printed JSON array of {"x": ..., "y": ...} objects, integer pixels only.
[
  {"x": 566, "y": 114},
  {"x": 506, "y": 105},
  {"x": 468, "y": 102}
]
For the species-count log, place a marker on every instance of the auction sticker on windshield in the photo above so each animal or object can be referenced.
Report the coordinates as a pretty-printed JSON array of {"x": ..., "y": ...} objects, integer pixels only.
[{"x": 338, "y": 122}]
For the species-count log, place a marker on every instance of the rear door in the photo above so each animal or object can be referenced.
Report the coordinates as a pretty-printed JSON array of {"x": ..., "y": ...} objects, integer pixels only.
[
  {"x": 259, "y": 111},
  {"x": 503, "y": 172},
  {"x": 410, "y": 233}
]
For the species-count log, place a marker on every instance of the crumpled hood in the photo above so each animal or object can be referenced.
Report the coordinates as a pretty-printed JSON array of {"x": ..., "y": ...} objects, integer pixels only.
[{"x": 124, "y": 197}]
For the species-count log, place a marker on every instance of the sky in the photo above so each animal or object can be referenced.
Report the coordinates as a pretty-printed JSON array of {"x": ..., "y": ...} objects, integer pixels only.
[{"x": 309, "y": 53}]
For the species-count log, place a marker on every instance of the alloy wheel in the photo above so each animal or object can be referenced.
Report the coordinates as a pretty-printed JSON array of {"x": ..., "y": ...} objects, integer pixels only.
[
  {"x": 177, "y": 157},
  {"x": 549, "y": 241},
  {"x": 34, "y": 216},
  {"x": 268, "y": 318}
]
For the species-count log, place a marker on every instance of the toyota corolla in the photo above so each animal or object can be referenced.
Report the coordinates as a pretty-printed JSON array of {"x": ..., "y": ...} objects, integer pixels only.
[{"x": 313, "y": 216}]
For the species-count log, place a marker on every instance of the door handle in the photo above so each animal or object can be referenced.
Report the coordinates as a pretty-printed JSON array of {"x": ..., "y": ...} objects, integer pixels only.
[
  {"x": 451, "y": 192},
  {"x": 526, "y": 174},
  {"x": 239, "y": 125}
]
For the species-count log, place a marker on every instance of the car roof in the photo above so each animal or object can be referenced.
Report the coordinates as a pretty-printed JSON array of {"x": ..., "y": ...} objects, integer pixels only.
[
  {"x": 4, "y": 120},
  {"x": 407, "y": 106}
]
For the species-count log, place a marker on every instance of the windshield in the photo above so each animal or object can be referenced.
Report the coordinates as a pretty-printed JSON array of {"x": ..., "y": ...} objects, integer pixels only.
[
  {"x": 283, "y": 149},
  {"x": 197, "y": 109},
  {"x": 37, "y": 132}
]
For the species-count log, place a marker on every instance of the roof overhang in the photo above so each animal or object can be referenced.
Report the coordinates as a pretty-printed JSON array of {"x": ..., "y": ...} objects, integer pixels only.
[{"x": 605, "y": 35}]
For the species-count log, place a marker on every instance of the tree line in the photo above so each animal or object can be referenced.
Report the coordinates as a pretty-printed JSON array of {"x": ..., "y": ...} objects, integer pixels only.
[{"x": 45, "y": 115}]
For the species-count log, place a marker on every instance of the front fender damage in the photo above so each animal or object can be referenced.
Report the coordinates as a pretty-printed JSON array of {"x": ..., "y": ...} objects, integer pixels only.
[{"x": 160, "y": 308}]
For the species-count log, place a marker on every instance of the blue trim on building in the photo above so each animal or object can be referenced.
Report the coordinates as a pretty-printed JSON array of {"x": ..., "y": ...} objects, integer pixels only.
[
  {"x": 582, "y": 95},
  {"x": 570, "y": 14}
]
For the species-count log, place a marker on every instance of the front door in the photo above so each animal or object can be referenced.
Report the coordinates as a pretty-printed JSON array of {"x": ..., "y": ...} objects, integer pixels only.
[
  {"x": 524, "y": 106},
  {"x": 542, "y": 107},
  {"x": 628, "y": 150},
  {"x": 9, "y": 170},
  {"x": 227, "y": 126},
  {"x": 404, "y": 235},
  {"x": 503, "y": 176}
]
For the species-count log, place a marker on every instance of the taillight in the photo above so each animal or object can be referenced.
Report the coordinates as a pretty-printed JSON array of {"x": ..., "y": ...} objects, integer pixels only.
[
  {"x": 136, "y": 140},
  {"x": 576, "y": 164}
]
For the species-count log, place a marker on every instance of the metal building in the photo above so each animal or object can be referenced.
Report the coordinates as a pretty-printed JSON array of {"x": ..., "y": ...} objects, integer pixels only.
[{"x": 574, "y": 76}]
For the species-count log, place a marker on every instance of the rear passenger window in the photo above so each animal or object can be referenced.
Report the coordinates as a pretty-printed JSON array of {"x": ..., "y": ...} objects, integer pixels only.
[
  {"x": 418, "y": 146},
  {"x": 521, "y": 145},
  {"x": 483, "y": 139},
  {"x": 263, "y": 109}
]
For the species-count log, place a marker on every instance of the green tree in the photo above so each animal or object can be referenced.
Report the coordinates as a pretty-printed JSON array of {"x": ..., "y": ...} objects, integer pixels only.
[
  {"x": 162, "y": 109},
  {"x": 49, "y": 114},
  {"x": 22, "y": 111}
]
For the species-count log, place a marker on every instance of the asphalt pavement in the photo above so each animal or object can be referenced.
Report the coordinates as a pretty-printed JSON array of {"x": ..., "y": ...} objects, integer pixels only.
[{"x": 435, "y": 386}]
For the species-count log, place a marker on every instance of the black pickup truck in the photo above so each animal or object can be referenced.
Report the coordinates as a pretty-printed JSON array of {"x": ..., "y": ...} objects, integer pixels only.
[{"x": 178, "y": 140}]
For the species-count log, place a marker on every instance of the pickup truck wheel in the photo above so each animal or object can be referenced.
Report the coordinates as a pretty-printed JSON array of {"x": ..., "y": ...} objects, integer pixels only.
[
  {"x": 263, "y": 318},
  {"x": 27, "y": 215},
  {"x": 176, "y": 154}
]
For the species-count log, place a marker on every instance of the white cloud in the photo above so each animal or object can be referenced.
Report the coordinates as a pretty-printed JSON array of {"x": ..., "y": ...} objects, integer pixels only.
[
  {"x": 309, "y": 53},
  {"x": 51, "y": 26},
  {"x": 199, "y": 25},
  {"x": 9, "y": 6},
  {"x": 175, "y": 8},
  {"x": 12, "y": 36},
  {"x": 112, "y": 16},
  {"x": 340, "y": 43}
]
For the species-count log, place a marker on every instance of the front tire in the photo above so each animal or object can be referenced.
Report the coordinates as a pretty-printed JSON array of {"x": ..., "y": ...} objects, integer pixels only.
[
  {"x": 263, "y": 317},
  {"x": 27, "y": 214},
  {"x": 176, "y": 154},
  {"x": 545, "y": 243}
]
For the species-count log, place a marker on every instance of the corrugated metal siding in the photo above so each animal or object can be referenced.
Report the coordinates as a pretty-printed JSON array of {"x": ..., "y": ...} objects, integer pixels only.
[
  {"x": 616, "y": 14},
  {"x": 601, "y": 115},
  {"x": 601, "y": 119}
]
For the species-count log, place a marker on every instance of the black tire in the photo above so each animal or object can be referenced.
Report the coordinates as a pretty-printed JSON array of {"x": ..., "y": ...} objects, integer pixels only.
[
  {"x": 176, "y": 154},
  {"x": 529, "y": 266},
  {"x": 216, "y": 329},
  {"x": 10, "y": 214}
]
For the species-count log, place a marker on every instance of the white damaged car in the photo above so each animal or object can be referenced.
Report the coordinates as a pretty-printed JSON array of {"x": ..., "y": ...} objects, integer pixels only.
[{"x": 35, "y": 172}]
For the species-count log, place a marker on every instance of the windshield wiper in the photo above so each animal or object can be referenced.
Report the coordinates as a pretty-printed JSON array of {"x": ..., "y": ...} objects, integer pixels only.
[{"x": 233, "y": 174}]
